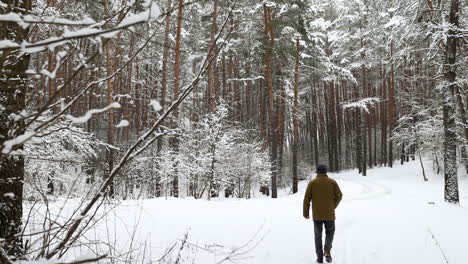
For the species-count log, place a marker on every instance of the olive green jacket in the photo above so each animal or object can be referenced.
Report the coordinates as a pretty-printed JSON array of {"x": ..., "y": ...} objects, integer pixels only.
[{"x": 325, "y": 195}]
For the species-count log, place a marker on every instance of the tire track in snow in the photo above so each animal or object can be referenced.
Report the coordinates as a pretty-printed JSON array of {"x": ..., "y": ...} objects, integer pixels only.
[
  {"x": 347, "y": 251},
  {"x": 371, "y": 190}
]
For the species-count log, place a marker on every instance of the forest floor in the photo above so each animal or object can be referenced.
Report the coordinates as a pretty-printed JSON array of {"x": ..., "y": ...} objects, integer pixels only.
[{"x": 390, "y": 216}]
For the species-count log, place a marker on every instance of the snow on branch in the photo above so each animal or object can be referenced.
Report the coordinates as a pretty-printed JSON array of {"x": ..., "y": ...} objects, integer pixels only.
[
  {"x": 123, "y": 123},
  {"x": 151, "y": 14},
  {"x": 60, "y": 55},
  {"x": 9, "y": 146},
  {"x": 70, "y": 236},
  {"x": 19, "y": 140},
  {"x": 25, "y": 21},
  {"x": 252, "y": 79},
  {"x": 155, "y": 105},
  {"x": 362, "y": 104},
  {"x": 90, "y": 113}
]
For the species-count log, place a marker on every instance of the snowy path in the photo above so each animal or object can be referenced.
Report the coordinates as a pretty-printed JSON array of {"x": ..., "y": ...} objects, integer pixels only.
[{"x": 384, "y": 218}]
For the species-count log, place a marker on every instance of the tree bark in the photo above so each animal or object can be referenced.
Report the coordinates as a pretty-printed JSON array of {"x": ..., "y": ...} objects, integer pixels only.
[
  {"x": 165, "y": 58},
  {"x": 212, "y": 47},
  {"x": 295, "y": 120},
  {"x": 270, "y": 42},
  {"x": 391, "y": 108},
  {"x": 13, "y": 83},
  {"x": 450, "y": 126},
  {"x": 462, "y": 111},
  {"x": 175, "y": 141},
  {"x": 110, "y": 113}
]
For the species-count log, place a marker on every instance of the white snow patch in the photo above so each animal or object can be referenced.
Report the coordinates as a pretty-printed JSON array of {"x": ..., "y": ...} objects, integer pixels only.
[
  {"x": 151, "y": 14},
  {"x": 363, "y": 103},
  {"x": 6, "y": 43},
  {"x": 384, "y": 218},
  {"x": 9, "y": 195},
  {"x": 11, "y": 17},
  {"x": 19, "y": 140},
  {"x": 156, "y": 105},
  {"x": 395, "y": 21},
  {"x": 123, "y": 123}
]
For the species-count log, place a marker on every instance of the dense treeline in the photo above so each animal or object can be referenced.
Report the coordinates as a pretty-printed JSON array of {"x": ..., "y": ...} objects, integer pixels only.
[
  {"x": 288, "y": 83},
  {"x": 346, "y": 84}
]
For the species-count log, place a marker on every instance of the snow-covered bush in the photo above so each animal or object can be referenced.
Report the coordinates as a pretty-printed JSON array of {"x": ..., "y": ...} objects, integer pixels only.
[
  {"x": 61, "y": 161},
  {"x": 216, "y": 155},
  {"x": 421, "y": 130}
]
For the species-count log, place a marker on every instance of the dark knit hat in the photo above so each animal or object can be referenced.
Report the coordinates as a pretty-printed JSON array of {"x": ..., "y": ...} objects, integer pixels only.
[{"x": 322, "y": 169}]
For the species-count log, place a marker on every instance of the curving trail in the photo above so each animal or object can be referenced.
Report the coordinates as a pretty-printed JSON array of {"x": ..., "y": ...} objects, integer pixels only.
[{"x": 383, "y": 219}]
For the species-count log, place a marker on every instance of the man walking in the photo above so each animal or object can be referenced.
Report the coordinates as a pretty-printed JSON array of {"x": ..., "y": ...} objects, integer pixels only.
[{"x": 325, "y": 195}]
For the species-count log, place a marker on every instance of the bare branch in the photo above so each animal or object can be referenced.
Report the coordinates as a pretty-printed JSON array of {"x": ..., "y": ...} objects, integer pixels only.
[
  {"x": 4, "y": 259},
  {"x": 103, "y": 188}
]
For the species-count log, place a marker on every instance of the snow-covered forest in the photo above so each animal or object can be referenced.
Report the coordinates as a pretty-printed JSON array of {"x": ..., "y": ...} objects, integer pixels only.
[{"x": 157, "y": 131}]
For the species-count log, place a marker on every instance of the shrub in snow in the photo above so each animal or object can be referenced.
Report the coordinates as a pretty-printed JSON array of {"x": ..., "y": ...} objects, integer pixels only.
[
  {"x": 60, "y": 161},
  {"x": 216, "y": 155}
]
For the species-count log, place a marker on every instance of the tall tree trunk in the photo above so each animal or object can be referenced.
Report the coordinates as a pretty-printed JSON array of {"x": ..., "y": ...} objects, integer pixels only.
[
  {"x": 369, "y": 131},
  {"x": 374, "y": 123},
  {"x": 365, "y": 118},
  {"x": 165, "y": 58},
  {"x": 391, "y": 108},
  {"x": 269, "y": 79},
  {"x": 339, "y": 125},
  {"x": 51, "y": 84},
  {"x": 295, "y": 120},
  {"x": 327, "y": 124},
  {"x": 212, "y": 47},
  {"x": 358, "y": 129},
  {"x": 224, "y": 77},
  {"x": 175, "y": 140},
  {"x": 281, "y": 109},
  {"x": 461, "y": 109},
  {"x": 347, "y": 125},
  {"x": 450, "y": 126},
  {"x": 333, "y": 128},
  {"x": 110, "y": 113},
  {"x": 384, "y": 121},
  {"x": 237, "y": 91},
  {"x": 13, "y": 86},
  {"x": 314, "y": 135}
]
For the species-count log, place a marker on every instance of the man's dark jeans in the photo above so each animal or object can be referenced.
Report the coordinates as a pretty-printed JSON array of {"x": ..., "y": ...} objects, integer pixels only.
[{"x": 329, "y": 233}]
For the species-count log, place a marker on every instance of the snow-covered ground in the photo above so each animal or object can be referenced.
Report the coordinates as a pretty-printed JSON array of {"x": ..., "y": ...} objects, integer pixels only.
[{"x": 389, "y": 217}]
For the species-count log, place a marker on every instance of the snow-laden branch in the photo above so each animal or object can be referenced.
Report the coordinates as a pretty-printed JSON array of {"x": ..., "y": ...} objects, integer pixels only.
[
  {"x": 10, "y": 145},
  {"x": 69, "y": 235},
  {"x": 19, "y": 140},
  {"x": 252, "y": 79},
  {"x": 151, "y": 14},
  {"x": 25, "y": 21},
  {"x": 123, "y": 123},
  {"x": 90, "y": 113},
  {"x": 155, "y": 105},
  {"x": 362, "y": 104}
]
